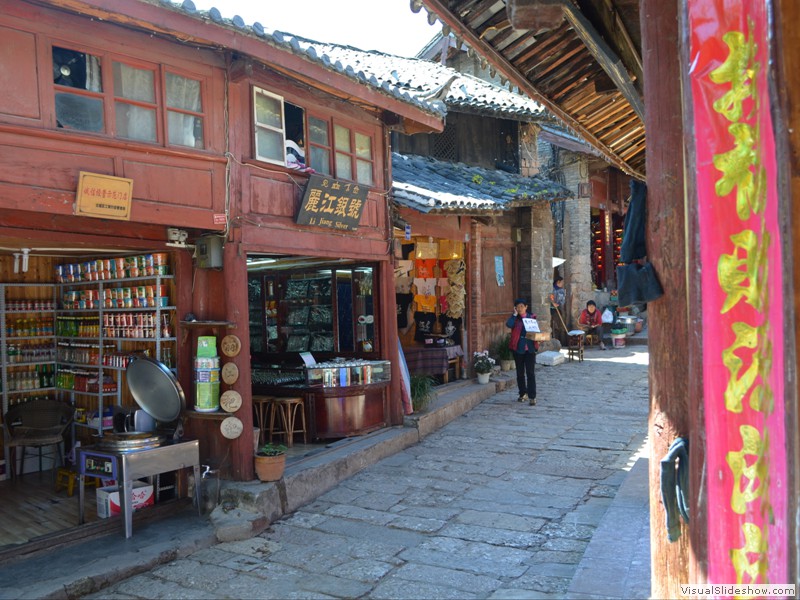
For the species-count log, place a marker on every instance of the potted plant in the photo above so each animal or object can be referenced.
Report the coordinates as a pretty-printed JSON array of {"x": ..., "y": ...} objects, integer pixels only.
[
  {"x": 504, "y": 353},
  {"x": 483, "y": 365},
  {"x": 270, "y": 461},
  {"x": 422, "y": 391}
]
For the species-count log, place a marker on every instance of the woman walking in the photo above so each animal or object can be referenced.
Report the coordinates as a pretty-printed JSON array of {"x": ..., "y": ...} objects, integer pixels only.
[{"x": 524, "y": 352}]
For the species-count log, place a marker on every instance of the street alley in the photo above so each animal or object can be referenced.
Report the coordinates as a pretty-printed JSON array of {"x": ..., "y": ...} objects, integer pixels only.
[{"x": 500, "y": 503}]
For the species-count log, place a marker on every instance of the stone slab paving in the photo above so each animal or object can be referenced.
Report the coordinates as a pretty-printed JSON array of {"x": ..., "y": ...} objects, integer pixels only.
[{"x": 507, "y": 501}]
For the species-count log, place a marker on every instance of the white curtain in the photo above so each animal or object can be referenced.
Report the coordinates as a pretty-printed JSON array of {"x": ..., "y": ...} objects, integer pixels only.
[{"x": 184, "y": 93}]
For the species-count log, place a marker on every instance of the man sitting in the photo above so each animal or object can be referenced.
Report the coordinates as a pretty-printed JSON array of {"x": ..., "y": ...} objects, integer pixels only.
[{"x": 591, "y": 322}]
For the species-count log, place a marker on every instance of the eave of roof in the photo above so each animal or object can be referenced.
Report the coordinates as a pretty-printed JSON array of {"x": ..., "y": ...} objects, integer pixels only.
[
  {"x": 557, "y": 67},
  {"x": 429, "y": 185}
]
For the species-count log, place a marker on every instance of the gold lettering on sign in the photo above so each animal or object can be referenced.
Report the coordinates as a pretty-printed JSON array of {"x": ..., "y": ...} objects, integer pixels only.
[
  {"x": 755, "y": 543},
  {"x": 743, "y": 276},
  {"x": 749, "y": 468}
]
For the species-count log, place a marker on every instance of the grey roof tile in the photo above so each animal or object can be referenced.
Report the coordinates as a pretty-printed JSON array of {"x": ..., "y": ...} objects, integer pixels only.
[
  {"x": 430, "y": 185},
  {"x": 412, "y": 80}
]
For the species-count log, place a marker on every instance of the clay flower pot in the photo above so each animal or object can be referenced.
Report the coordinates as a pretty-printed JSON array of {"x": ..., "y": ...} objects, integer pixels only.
[{"x": 270, "y": 462}]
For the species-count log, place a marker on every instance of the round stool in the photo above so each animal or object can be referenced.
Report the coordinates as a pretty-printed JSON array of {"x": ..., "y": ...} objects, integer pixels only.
[{"x": 288, "y": 409}]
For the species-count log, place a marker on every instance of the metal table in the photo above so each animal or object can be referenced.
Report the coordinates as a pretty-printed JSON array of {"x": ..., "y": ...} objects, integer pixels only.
[{"x": 127, "y": 465}]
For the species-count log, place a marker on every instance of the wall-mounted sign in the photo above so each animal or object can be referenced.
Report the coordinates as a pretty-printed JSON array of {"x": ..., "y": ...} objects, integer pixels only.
[
  {"x": 104, "y": 196},
  {"x": 499, "y": 271},
  {"x": 332, "y": 204}
]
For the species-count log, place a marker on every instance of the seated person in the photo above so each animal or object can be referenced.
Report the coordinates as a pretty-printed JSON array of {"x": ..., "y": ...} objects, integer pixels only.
[
  {"x": 295, "y": 155},
  {"x": 591, "y": 321}
]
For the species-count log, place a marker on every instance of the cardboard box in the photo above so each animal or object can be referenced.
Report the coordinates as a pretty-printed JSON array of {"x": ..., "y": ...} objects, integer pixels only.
[{"x": 108, "y": 499}]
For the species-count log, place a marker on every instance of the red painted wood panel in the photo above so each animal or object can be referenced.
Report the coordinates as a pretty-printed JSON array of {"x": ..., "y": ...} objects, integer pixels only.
[
  {"x": 18, "y": 57},
  {"x": 171, "y": 184}
]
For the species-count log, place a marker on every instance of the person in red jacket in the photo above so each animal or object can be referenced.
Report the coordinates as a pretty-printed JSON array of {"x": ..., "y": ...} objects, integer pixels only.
[{"x": 592, "y": 322}]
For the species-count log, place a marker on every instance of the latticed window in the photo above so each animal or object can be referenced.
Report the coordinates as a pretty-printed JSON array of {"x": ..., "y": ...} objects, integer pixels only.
[{"x": 444, "y": 144}]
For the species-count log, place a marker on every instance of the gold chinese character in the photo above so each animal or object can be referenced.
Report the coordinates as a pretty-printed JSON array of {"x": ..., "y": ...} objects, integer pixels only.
[
  {"x": 313, "y": 200},
  {"x": 736, "y": 166},
  {"x": 738, "y": 386},
  {"x": 754, "y": 543},
  {"x": 354, "y": 210},
  {"x": 748, "y": 282},
  {"x": 341, "y": 206},
  {"x": 749, "y": 468},
  {"x": 327, "y": 203},
  {"x": 740, "y": 70}
]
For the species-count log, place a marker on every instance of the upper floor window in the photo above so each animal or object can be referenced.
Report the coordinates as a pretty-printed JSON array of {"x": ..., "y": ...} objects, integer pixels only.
[
  {"x": 332, "y": 149},
  {"x": 135, "y": 101}
]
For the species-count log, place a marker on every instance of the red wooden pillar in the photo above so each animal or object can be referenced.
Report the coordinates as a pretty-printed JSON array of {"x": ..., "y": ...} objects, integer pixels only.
[
  {"x": 237, "y": 311},
  {"x": 675, "y": 387}
]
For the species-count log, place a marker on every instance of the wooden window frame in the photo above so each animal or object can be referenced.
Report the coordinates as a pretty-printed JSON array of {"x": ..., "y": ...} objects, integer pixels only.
[{"x": 109, "y": 96}]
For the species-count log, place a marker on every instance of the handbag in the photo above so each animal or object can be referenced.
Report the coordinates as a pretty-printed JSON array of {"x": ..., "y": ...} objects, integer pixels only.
[{"x": 637, "y": 284}]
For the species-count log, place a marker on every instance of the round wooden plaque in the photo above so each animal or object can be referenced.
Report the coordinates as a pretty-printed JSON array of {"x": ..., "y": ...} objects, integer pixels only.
[
  {"x": 231, "y": 428},
  {"x": 230, "y": 401},
  {"x": 230, "y": 373},
  {"x": 231, "y": 345}
]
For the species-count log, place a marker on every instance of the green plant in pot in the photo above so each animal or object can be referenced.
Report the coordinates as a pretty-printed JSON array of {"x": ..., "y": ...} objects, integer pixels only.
[
  {"x": 422, "y": 391},
  {"x": 504, "y": 353},
  {"x": 270, "y": 462}
]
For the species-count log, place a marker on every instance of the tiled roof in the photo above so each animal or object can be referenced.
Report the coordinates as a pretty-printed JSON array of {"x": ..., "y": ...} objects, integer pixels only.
[
  {"x": 429, "y": 185},
  {"x": 425, "y": 84}
]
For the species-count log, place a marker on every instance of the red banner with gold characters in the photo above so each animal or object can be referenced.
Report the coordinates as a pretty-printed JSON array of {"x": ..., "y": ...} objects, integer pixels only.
[{"x": 740, "y": 248}]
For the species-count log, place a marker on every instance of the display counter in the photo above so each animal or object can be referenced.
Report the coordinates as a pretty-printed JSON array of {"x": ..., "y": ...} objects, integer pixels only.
[
  {"x": 433, "y": 360},
  {"x": 342, "y": 398}
]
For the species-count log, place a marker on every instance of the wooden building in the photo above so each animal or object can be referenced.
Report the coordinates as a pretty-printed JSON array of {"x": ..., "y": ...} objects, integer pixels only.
[{"x": 143, "y": 167}]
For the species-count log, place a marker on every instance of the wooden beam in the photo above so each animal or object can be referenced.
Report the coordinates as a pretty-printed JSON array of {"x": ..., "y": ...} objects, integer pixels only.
[
  {"x": 503, "y": 66},
  {"x": 605, "y": 56},
  {"x": 675, "y": 374},
  {"x": 528, "y": 14}
]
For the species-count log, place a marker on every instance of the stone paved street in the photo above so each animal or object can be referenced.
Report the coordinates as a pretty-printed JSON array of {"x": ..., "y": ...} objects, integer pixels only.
[{"x": 500, "y": 503}]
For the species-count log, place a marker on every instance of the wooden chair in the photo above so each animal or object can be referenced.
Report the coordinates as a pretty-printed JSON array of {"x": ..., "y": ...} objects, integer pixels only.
[{"x": 38, "y": 423}]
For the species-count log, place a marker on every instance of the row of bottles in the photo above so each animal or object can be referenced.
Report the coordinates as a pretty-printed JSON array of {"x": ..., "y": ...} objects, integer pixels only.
[
  {"x": 28, "y": 353},
  {"x": 78, "y": 327},
  {"x": 29, "y": 305},
  {"x": 84, "y": 381},
  {"x": 23, "y": 398},
  {"x": 31, "y": 378},
  {"x": 30, "y": 327},
  {"x": 81, "y": 353}
]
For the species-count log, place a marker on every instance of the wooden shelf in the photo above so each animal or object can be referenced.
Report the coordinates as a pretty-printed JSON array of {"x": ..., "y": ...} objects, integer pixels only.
[
  {"x": 187, "y": 325},
  {"x": 227, "y": 324}
]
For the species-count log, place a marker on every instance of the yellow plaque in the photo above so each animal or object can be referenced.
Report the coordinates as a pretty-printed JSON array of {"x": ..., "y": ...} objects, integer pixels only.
[{"x": 104, "y": 196}]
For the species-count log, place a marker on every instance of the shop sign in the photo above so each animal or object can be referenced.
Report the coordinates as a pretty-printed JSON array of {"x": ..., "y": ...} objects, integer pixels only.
[
  {"x": 104, "y": 196},
  {"x": 332, "y": 204},
  {"x": 743, "y": 307}
]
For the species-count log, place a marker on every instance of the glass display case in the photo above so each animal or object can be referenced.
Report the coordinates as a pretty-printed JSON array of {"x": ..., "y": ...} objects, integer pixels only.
[
  {"x": 348, "y": 372},
  {"x": 325, "y": 310}
]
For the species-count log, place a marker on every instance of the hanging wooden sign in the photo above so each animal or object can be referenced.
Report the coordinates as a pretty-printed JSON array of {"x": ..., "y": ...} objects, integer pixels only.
[{"x": 332, "y": 204}]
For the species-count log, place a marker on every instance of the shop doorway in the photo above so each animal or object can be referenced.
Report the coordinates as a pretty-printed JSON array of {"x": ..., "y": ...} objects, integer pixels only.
[
  {"x": 69, "y": 322},
  {"x": 315, "y": 335}
]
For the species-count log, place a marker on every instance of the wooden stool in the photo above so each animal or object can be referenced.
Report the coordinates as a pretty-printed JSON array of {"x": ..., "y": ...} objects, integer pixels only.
[
  {"x": 456, "y": 364},
  {"x": 262, "y": 405},
  {"x": 288, "y": 408},
  {"x": 575, "y": 344},
  {"x": 66, "y": 478}
]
